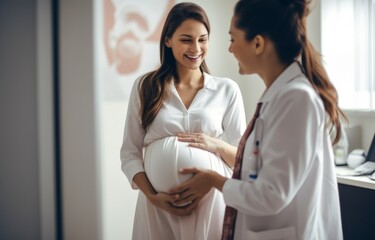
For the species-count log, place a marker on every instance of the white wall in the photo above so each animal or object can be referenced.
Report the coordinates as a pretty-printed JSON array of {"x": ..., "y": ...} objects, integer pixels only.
[{"x": 367, "y": 122}]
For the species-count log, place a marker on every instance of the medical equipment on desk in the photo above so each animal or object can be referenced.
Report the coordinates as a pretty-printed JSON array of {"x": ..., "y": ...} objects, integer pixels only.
[
  {"x": 367, "y": 167},
  {"x": 341, "y": 149},
  {"x": 356, "y": 158}
]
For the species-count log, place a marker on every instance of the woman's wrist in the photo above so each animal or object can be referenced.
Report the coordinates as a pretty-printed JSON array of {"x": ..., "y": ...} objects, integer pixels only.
[
  {"x": 150, "y": 194},
  {"x": 222, "y": 148},
  {"x": 144, "y": 185},
  {"x": 217, "y": 180},
  {"x": 227, "y": 152}
]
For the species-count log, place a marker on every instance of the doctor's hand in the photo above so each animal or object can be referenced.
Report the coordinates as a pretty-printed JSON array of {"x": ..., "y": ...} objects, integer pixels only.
[
  {"x": 164, "y": 201},
  {"x": 200, "y": 140},
  {"x": 194, "y": 189},
  {"x": 211, "y": 144}
]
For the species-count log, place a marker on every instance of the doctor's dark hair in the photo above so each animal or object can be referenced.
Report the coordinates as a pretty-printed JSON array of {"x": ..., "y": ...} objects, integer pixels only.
[
  {"x": 284, "y": 23},
  {"x": 153, "y": 85}
]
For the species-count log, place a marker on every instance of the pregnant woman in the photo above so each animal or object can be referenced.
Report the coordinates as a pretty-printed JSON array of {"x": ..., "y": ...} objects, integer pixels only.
[{"x": 180, "y": 97}]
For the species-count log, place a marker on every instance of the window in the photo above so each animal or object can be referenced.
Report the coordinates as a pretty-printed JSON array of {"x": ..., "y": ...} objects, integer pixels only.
[{"x": 348, "y": 39}]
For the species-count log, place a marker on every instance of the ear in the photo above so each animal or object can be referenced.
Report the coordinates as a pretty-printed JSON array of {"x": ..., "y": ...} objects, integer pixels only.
[
  {"x": 167, "y": 42},
  {"x": 259, "y": 44}
]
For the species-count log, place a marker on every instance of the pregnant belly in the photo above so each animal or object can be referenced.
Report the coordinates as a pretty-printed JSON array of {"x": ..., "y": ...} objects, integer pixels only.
[{"x": 164, "y": 157}]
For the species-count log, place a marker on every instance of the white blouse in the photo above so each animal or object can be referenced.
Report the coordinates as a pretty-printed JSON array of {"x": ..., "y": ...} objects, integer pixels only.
[{"x": 217, "y": 109}]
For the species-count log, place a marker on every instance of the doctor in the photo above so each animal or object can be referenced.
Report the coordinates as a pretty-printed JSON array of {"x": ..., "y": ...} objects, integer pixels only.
[{"x": 284, "y": 184}]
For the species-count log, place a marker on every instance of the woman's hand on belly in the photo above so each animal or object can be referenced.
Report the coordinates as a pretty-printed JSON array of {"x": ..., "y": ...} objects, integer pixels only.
[
  {"x": 194, "y": 189},
  {"x": 211, "y": 144},
  {"x": 163, "y": 201},
  {"x": 160, "y": 200}
]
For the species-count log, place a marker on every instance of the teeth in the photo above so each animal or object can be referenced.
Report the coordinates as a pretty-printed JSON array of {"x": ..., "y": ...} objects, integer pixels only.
[{"x": 195, "y": 57}]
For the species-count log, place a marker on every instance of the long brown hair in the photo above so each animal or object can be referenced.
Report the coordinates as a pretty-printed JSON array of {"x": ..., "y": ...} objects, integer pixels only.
[
  {"x": 153, "y": 85},
  {"x": 284, "y": 22}
]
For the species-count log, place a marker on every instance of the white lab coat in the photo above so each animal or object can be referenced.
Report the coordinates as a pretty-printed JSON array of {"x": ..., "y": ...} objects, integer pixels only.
[
  {"x": 295, "y": 193},
  {"x": 217, "y": 109}
]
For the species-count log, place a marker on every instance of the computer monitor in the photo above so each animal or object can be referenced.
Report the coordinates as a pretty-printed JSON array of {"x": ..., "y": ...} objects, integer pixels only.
[{"x": 371, "y": 152}]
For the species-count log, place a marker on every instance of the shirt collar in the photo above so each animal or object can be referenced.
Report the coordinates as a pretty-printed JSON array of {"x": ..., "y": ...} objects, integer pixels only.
[
  {"x": 290, "y": 73},
  {"x": 209, "y": 82}
]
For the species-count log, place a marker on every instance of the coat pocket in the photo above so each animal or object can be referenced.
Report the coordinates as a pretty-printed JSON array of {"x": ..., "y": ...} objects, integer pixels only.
[{"x": 288, "y": 233}]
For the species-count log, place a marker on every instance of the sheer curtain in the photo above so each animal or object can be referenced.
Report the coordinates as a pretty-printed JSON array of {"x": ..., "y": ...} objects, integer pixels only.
[{"x": 348, "y": 50}]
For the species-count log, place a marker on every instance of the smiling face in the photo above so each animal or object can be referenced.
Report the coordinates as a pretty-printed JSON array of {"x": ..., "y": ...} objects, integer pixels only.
[
  {"x": 242, "y": 49},
  {"x": 189, "y": 44}
]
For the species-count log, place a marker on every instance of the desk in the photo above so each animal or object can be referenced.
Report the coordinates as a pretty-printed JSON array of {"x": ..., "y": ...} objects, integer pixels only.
[
  {"x": 357, "y": 203},
  {"x": 355, "y": 181}
]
